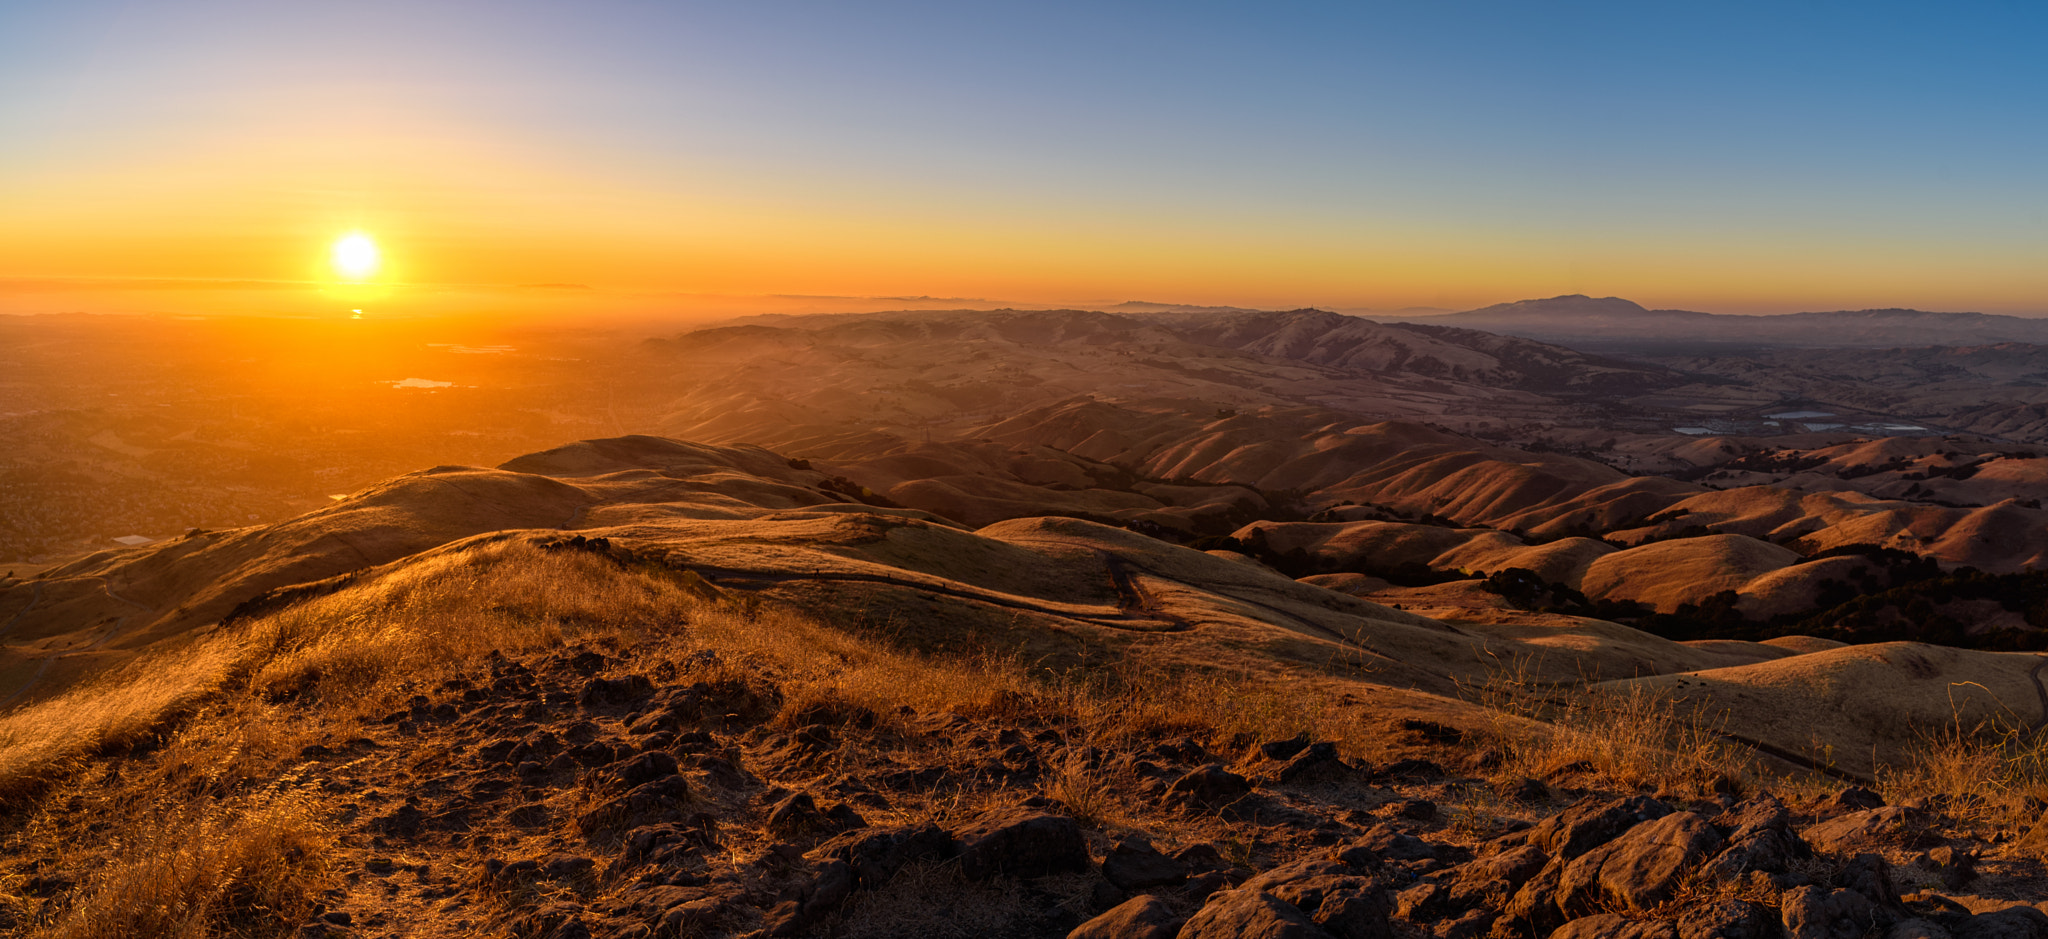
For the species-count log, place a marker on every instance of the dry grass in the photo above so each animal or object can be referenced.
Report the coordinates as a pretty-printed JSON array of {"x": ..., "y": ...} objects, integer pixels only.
[
  {"x": 348, "y": 651},
  {"x": 249, "y": 866},
  {"x": 198, "y": 837},
  {"x": 190, "y": 839},
  {"x": 1993, "y": 774},
  {"x": 48, "y": 741},
  {"x": 452, "y": 607},
  {"x": 1635, "y": 737},
  {"x": 823, "y": 671}
]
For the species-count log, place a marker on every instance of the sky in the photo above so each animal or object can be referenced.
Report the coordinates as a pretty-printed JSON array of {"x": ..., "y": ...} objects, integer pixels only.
[{"x": 674, "y": 157}]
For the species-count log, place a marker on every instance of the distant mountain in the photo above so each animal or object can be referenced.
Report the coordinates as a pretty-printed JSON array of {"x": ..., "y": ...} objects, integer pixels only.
[
  {"x": 1427, "y": 349},
  {"x": 1147, "y": 306},
  {"x": 1617, "y": 324}
]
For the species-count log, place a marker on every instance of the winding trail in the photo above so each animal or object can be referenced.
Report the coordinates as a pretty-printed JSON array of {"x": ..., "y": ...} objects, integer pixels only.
[
  {"x": 46, "y": 661},
  {"x": 35, "y": 597},
  {"x": 2034, "y": 674},
  {"x": 1126, "y": 619}
]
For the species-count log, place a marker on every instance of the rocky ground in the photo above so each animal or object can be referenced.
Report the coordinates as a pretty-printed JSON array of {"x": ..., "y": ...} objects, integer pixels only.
[{"x": 653, "y": 790}]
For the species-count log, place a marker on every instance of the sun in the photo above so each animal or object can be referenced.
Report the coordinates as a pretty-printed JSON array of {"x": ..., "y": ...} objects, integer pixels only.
[{"x": 355, "y": 256}]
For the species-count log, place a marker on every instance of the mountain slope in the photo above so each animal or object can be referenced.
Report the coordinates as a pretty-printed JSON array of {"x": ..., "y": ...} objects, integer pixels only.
[{"x": 1612, "y": 320}]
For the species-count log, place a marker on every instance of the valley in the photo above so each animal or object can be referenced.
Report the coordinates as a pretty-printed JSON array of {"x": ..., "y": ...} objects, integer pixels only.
[{"x": 1455, "y": 564}]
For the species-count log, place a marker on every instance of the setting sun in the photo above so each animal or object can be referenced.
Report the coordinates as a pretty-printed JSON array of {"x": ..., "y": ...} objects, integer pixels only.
[{"x": 355, "y": 256}]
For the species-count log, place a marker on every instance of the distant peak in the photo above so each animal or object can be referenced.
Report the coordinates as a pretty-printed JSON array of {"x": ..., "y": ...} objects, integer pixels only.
[{"x": 1574, "y": 303}]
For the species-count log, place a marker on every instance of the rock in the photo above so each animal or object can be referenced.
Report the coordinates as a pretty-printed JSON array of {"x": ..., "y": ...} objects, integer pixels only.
[
  {"x": 1144, "y": 917},
  {"x": 1412, "y": 768},
  {"x": 568, "y": 867},
  {"x": 1871, "y": 876},
  {"x": 820, "y": 895},
  {"x": 1430, "y": 731},
  {"x": 1420, "y": 810},
  {"x": 1753, "y": 816},
  {"x": 695, "y": 917},
  {"x": 1422, "y": 902},
  {"x": 1534, "y": 906},
  {"x": 644, "y": 768},
  {"x": 1770, "y": 851},
  {"x": 1489, "y": 881},
  {"x": 1917, "y": 929},
  {"x": 1612, "y": 926},
  {"x": 1136, "y": 865},
  {"x": 402, "y": 822},
  {"x": 1639, "y": 869},
  {"x": 1473, "y": 924},
  {"x": 1522, "y": 789},
  {"x": 1513, "y": 867},
  {"x": 1203, "y": 886},
  {"x": 876, "y": 855},
  {"x": 1250, "y": 914},
  {"x": 1384, "y": 842},
  {"x": 1022, "y": 844},
  {"x": 1591, "y": 822},
  {"x": 1956, "y": 867},
  {"x": 614, "y": 692},
  {"x": 1855, "y": 798},
  {"x": 1284, "y": 749},
  {"x": 1728, "y": 919},
  {"x": 1331, "y": 896},
  {"x": 1210, "y": 787},
  {"x": 1201, "y": 856},
  {"x": 1318, "y": 762},
  {"x": 1891, "y": 824},
  {"x": 795, "y": 816},
  {"x": 664, "y": 844},
  {"x": 644, "y": 805},
  {"x": 2015, "y": 922},
  {"x": 1812, "y": 912},
  {"x": 843, "y": 817}
]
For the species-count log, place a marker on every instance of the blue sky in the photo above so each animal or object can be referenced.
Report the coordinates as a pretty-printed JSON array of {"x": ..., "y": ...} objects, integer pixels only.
[{"x": 1754, "y": 156}]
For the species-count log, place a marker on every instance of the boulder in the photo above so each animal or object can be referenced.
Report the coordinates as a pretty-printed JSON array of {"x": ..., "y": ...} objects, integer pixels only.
[
  {"x": 1534, "y": 906},
  {"x": 1812, "y": 912},
  {"x": 614, "y": 692},
  {"x": 1332, "y": 895},
  {"x": 1892, "y": 824},
  {"x": 1854, "y": 798},
  {"x": 1591, "y": 822},
  {"x": 1250, "y": 914},
  {"x": 645, "y": 804},
  {"x": 1210, "y": 787},
  {"x": 1138, "y": 918},
  {"x": 1284, "y": 749},
  {"x": 1753, "y": 816},
  {"x": 1384, "y": 842},
  {"x": 875, "y": 855},
  {"x": 1769, "y": 851},
  {"x": 1728, "y": 919},
  {"x": 1639, "y": 869},
  {"x": 1503, "y": 873},
  {"x": 1871, "y": 876},
  {"x": 1917, "y": 929},
  {"x": 644, "y": 768},
  {"x": 1022, "y": 844},
  {"x": 1317, "y": 762},
  {"x": 2014, "y": 922},
  {"x": 1133, "y": 864}
]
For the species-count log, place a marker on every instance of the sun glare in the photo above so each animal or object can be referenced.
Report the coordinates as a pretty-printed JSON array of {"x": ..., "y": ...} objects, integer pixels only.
[{"x": 355, "y": 256}]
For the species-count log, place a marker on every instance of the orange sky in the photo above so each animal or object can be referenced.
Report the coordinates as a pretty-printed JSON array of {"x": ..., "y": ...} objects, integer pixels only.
[{"x": 705, "y": 164}]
